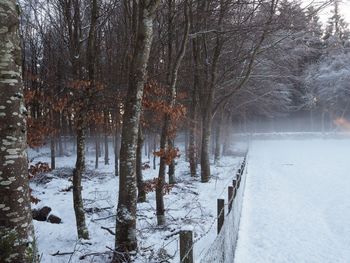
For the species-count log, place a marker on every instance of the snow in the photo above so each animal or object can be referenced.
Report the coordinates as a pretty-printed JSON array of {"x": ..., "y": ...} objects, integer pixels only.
[
  {"x": 296, "y": 205},
  {"x": 190, "y": 205}
]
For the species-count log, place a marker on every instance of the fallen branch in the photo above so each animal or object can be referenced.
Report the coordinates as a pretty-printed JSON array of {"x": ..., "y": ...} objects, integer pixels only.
[
  {"x": 96, "y": 209},
  {"x": 94, "y": 254},
  {"x": 171, "y": 235},
  {"x": 110, "y": 231},
  {"x": 58, "y": 253},
  {"x": 103, "y": 218}
]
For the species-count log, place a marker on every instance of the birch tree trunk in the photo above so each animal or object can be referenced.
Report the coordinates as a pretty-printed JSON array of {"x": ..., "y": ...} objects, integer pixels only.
[
  {"x": 16, "y": 229},
  {"x": 125, "y": 239}
]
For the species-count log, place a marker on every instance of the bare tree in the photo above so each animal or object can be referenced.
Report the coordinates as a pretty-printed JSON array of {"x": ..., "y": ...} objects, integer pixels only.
[
  {"x": 173, "y": 68},
  {"x": 126, "y": 212}
]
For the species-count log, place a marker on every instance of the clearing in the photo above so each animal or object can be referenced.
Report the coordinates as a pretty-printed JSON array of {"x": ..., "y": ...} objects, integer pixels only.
[{"x": 296, "y": 205}]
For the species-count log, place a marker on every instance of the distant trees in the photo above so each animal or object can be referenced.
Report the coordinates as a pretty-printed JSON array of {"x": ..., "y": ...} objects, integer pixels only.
[
  {"x": 328, "y": 85},
  {"x": 336, "y": 25},
  {"x": 226, "y": 59},
  {"x": 326, "y": 81},
  {"x": 16, "y": 230}
]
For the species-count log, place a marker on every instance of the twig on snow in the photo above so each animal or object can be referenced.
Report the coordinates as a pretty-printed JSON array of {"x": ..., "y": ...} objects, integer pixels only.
[
  {"x": 109, "y": 230},
  {"x": 58, "y": 253}
]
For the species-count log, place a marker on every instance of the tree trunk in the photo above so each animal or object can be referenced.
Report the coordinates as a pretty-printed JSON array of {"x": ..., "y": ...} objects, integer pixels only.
[
  {"x": 116, "y": 152},
  {"x": 59, "y": 133},
  {"x": 149, "y": 148},
  {"x": 77, "y": 175},
  {"x": 192, "y": 144},
  {"x": 154, "y": 149},
  {"x": 64, "y": 132},
  {"x": 192, "y": 152},
  {"x": 52, "y": 141},
  {"x": 323, "y": 121},
  {"x": 52, "y": 152},
  {"x": 186, "y": 144},
  {"x": 99, "y": 145},
  {"x": 56, "y": 144},
  {"x": 311, "y": 120},
  {"x": 207, "y": 102},
  {"x": 60, "y": 145},
  {"x": 218, "y": 136},
  {"x": 125, "y": 239},
  {"x": 16, "y": 228},
  {"x": 97, "y": 150},
  {"x": 227, "y": 136},
  {"x": 145, "y": 144},
  {"x": 205, "y": 145},
  {"x": 140, "y": 184},
  {"x": 106, "y": 150},
  {"x": 166, "y": 136},
  {"x": 171, "y": 171},
  {"x": 208, "y": 91},
  {"x": 161, "y": 178}
]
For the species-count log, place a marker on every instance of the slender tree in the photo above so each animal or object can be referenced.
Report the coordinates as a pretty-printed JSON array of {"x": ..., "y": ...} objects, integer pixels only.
[
  {"x": 173, "y": 68},
  {"x": 126, "y": 239}
]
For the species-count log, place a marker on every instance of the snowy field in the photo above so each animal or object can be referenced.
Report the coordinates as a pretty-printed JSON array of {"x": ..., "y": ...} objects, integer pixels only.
[
  {"x": 296, "y": 206},
  {"x": 190, "y": 204}
]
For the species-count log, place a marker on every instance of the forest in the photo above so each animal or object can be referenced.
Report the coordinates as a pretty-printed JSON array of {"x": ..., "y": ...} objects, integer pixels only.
[{"x": 146, "y": 98}]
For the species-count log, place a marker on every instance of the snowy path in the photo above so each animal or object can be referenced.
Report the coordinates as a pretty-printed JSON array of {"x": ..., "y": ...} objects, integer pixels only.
[{"x": 296, "y": 206}]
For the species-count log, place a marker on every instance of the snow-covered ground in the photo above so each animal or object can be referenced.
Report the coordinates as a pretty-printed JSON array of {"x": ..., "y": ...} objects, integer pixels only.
[
  {"x": 296, "y": 205},
  {"x": 189, "y": 204}
]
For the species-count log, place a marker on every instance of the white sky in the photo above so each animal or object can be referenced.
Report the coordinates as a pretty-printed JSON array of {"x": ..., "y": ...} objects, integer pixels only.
[
  {"x": 344, "y": 10},
  {"x": 325, "y": 14}
]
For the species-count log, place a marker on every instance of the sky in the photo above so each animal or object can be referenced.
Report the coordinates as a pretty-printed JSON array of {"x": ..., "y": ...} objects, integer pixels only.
[
  {"x": 344, "y": 10},
  {"x": 326, "y": 13}
]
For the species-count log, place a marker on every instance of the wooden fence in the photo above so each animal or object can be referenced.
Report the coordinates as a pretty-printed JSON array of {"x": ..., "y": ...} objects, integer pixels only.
[{"x": 223, "y": 248}]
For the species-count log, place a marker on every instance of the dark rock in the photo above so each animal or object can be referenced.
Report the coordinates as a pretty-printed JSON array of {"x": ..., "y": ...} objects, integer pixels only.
[
  {"x": 54, "y": 219},
  {"x": 41, "y": 214}
]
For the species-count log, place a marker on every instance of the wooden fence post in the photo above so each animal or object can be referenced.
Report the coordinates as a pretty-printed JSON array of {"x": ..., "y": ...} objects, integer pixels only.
[
  {"x": 238, "y": 180},
  {"x": 230, "y": 198},
  {"x": 221, "y": 213},
  {"x": 186, "y": 247},
  {"x": 234, "y": 183}
]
